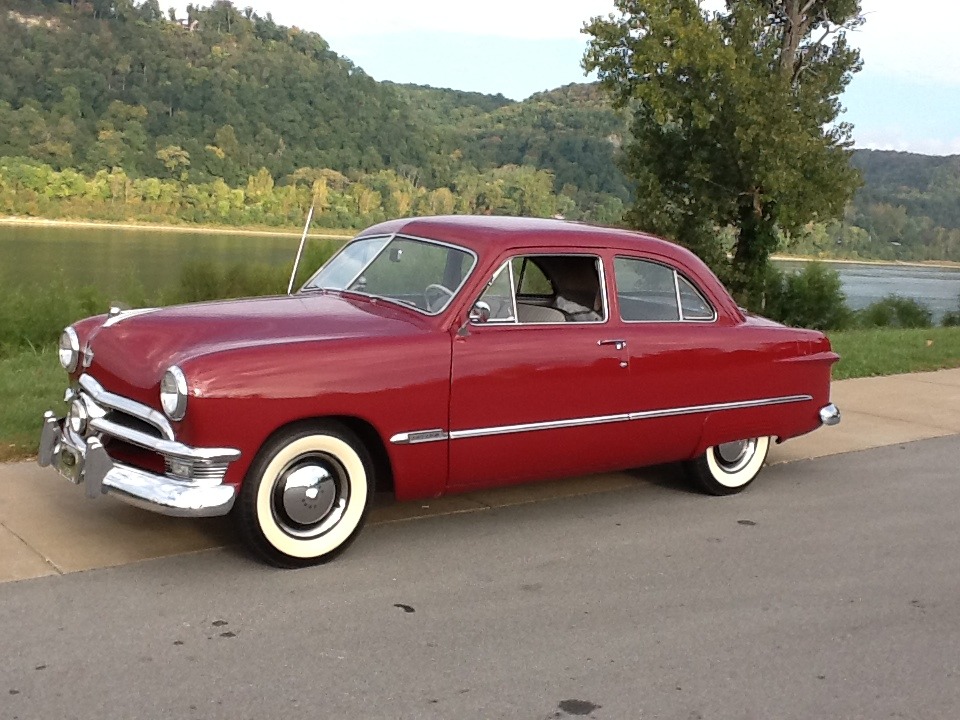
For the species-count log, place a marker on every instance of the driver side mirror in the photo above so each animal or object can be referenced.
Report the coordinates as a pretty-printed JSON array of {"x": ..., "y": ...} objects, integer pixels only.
[{"x": 480, "y": 312}]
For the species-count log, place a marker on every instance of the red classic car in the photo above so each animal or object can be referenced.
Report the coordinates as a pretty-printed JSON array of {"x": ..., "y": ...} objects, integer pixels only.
[{"x": 429, "y": 356}]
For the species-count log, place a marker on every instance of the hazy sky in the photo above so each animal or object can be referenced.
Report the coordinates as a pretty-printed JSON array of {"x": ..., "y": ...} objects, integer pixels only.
[{"x": 906, "y": 98}]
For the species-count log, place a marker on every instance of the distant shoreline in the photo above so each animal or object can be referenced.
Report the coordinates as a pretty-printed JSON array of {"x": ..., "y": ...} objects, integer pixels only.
[
  {"x": 941, "y": 264},
  {"x": 15, "y": 220}
]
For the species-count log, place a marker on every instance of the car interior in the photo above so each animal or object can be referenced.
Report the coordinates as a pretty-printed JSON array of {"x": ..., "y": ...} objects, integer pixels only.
[{"x": 547, "y": 289}]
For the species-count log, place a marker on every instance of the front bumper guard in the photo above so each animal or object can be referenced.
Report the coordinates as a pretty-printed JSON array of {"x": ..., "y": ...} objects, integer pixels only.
[{"x": 85, "y": 460}]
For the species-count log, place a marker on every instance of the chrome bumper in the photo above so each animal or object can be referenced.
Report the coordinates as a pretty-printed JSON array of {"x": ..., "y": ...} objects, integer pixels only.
[
  {"x": 830, "y": 414},
  {"x": 85, "y": 460}
]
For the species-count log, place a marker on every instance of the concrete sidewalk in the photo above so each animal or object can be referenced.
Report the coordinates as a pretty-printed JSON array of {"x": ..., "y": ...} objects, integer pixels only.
[{"x": 47, "y": 527}]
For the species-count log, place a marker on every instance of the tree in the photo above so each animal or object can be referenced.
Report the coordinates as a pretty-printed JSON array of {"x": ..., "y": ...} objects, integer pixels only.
[
  {"x": 174, "y": 158},
  {"x": 734, "y": 120}
]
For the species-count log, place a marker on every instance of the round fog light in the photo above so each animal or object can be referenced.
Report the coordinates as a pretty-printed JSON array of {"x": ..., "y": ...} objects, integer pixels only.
[{"x": 78, "y": 417}]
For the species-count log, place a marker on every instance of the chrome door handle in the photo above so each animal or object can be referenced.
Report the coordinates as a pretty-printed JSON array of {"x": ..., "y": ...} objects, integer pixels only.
[{"x": 618, "y": 344}]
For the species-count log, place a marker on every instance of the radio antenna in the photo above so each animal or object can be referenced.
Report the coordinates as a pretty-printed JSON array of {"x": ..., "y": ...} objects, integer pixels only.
[{"x": 296, "y": 263}]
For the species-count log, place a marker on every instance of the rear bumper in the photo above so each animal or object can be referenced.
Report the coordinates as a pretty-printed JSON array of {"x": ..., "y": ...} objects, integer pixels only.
[
  {"x": 830, "y": 414},
  {"x": 85, "y": 460}
]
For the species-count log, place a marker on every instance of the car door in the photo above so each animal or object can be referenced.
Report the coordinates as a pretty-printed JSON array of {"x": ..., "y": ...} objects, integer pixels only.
[
  {"x": 538, "y": 392},
  {"x": 679, "y": 357}
]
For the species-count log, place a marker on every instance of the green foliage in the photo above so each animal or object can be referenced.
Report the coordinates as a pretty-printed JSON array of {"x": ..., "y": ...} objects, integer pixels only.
[
  {"x": 31, "y": 188},
  {"x": 952, "y": 318},
  {"x": 811, "y": 298},
  {"x": 866, "y": 353},
  {"x": 734, "y": 119},
  {"x": 201, "y": 281},
  {"x": 34, "y": 316},
  {"x": 230, "y": 96},
  {"x": 895, "y": 311},
  {"x": 114, "y": 112},
  {"x": 85, "y": 87},
  {"x": 31, "y": 382}
]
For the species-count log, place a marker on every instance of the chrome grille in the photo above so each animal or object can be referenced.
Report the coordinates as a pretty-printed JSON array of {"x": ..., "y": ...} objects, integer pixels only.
[
  {"x": 124, "y": 411},
  {"x": 206, "y": 473},
  {"x": 134, "y": 423}
]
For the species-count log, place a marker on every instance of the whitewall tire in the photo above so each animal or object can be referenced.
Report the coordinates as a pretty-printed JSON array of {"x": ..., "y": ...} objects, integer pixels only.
[
  {"x": 728, "y": 468},
  {"x": 306, "y": 495}
]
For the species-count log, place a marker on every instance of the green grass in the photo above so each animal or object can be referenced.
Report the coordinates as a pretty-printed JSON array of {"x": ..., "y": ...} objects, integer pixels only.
[
  {"x": 31, "y": 381},
  {"x": 884, "y": 351}
]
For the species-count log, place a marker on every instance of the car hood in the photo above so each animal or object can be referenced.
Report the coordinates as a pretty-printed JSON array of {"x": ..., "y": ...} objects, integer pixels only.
[{"x": 133, "y": 349}]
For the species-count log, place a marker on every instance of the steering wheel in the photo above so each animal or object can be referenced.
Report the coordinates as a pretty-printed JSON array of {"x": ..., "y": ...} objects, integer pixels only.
[{"x": 436, "y": 296}]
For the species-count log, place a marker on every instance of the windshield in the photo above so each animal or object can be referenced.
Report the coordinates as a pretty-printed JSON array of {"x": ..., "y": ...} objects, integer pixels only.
[{"x": 419, "y": 273}]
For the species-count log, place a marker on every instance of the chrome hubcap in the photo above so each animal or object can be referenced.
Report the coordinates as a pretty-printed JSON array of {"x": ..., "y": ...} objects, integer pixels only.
[
  {"x": 310, "y": 496},
  {"x": 734, "y": 456}
]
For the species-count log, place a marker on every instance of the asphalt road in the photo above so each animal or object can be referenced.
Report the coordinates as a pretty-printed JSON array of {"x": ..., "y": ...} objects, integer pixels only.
[{"x": 830, "y": 589}]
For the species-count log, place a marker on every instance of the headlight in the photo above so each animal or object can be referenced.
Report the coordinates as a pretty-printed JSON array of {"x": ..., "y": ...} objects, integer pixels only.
[
  {"x": 69, "y": 351},
  {"x": 173, "y": 393}
]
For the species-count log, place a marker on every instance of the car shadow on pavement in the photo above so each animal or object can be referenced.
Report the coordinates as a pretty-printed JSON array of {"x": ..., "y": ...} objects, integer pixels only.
[{"x": 670, "y": 476}]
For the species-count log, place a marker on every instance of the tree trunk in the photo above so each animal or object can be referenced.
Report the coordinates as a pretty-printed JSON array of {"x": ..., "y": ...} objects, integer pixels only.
[
  {"x": 751, "y": 259},
  {"x": 798, "y": 16}
]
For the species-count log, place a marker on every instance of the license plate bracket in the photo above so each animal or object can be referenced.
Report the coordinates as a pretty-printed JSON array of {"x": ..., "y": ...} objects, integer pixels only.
[{"x": 69, "y": 464}]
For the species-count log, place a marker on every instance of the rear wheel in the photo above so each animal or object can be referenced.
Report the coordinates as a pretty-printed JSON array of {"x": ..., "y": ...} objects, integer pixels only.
[
  {"x": 306, "y": 495},
  {"x": 728, "y": 468}
]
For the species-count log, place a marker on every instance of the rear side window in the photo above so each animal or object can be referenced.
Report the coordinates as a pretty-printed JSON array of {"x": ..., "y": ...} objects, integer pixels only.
[{"x": 651, "y": 292}]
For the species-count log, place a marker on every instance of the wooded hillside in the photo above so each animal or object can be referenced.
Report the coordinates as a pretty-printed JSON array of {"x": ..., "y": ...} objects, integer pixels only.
[{"x": 113, "y": 109}]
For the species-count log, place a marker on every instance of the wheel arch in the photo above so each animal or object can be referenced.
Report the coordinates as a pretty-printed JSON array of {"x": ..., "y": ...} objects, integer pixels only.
[
  {"x": 719, "y": 428},
  {"x": 365, "y": 432}
]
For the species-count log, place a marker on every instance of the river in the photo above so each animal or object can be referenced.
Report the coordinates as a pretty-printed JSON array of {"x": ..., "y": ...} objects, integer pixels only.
[{"x": 114, "y": 258}]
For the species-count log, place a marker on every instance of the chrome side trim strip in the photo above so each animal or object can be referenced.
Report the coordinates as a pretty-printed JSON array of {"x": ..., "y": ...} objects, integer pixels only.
[
  {"x": 530, "y": 427},
  {"x": 131, "y": 407},
  {"x": 435, "y": 435},
  {"x": 693, "y": 409},
  {"x": 419, "y": 436}
]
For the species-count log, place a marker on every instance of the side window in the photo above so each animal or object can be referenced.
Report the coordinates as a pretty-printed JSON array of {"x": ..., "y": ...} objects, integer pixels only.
[
  {"x": 692, "y": 304},
  {"x": 645, "y": 290},
  {"x": 499, "y": 296},
  {"x": 538, "y": 289},
  {"x": 530, "y": 279},
  {"x": 650, "y": 292}
]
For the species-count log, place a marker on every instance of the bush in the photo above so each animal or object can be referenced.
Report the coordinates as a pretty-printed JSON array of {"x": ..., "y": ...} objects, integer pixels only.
[
  {"x": 34, "y": 316},
  {"x": 895, "y": 311},
  {"x": 811, "y": 298},
  {"x": 952, "y": 318},
  {"x": 206, "y": 280}
]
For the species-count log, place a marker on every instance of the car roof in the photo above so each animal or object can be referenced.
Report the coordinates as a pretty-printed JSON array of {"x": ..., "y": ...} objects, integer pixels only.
[{"x": 492, "y": 233}]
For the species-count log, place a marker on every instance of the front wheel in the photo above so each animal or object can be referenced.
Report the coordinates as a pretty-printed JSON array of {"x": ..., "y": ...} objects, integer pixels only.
[
  {"x": 728, "y": 468},
  {"x": 306, "y": 495}
]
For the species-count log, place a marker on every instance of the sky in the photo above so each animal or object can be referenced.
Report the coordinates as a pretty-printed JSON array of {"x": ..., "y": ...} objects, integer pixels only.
[{"x": 907, "y": 97}]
